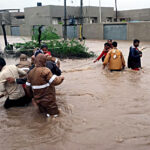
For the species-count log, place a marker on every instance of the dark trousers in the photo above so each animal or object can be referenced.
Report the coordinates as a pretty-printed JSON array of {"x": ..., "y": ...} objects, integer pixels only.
[
  {"x": 21, "y": 102},
  {"x": 115, "y": 70},
  {"x": 48, "y": 107},
  {"x": 103, "y": 58}
]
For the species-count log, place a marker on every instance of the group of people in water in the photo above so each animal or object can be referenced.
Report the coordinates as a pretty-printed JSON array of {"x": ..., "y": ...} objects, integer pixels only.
[
  {"x": 114, "y": 58},
  {"x": 35, "y": 81}
]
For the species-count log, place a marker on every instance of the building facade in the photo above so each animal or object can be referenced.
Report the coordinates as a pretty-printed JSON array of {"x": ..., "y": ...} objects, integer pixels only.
[{"x": 98, "y": 20}]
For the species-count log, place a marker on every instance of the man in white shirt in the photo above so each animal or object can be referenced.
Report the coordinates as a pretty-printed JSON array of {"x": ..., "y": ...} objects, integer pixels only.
[{"x": 14, "y": 92}]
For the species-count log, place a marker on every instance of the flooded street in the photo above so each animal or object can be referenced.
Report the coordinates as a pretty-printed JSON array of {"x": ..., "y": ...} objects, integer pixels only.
[{"x": 100, "y": 110}]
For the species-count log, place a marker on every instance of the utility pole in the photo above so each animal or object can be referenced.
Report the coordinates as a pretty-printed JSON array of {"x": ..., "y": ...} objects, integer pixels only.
[
  {"x": 65, "y": 21},
  {"x": 39, "y": 36},
  {"x": 81, "y": 20},
  {"x": 116, "y": 11},
  {"x": 100, "y": 12},
  {"x": 4, "y": 33}
]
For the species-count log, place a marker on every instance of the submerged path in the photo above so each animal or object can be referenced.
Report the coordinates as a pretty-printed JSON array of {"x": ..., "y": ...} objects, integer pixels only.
[{"x": 100, "y": 110}]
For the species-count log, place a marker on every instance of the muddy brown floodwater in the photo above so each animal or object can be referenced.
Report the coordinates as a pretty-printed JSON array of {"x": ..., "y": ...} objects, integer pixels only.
[{"x": 100, "y": 110}]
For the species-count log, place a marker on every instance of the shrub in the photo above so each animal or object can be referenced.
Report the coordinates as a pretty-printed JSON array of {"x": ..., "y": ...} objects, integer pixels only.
[
  {"x": 59, "y": 48},
  {"x": 69, "y": 49},
  {"x": 48, "y": 33}
]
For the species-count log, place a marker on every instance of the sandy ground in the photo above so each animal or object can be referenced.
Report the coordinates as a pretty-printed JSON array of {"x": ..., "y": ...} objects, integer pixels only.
[{"x": 100, "y": 110}]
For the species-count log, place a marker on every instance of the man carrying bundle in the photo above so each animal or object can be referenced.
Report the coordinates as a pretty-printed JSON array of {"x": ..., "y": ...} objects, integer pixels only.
[{"x": 114, "y": 59}]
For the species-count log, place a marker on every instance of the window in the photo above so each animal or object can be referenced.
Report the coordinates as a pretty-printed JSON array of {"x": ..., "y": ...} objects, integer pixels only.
[
  {"x": 56, "y": 20},
  {"x": 109, "y": 19},
  {"x": 124, "y": 19},
  {"x": 93, "y": 20},
  {"x": 19, "y": 17}
]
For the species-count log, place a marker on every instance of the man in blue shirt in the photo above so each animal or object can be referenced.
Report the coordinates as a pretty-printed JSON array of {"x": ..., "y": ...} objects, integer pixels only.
[{"x": 134, "y": 59}]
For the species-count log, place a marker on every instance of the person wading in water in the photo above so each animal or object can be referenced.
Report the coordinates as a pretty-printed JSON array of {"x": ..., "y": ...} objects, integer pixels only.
[
  {"x": 114, "y": 59},
  {"x": 134, "y": 58},
  {"x": 104, "y": 53},
  {"x": 41, "y": 86}
]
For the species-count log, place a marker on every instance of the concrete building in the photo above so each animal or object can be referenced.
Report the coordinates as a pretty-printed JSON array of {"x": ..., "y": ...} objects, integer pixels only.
[
  {"x": 118, "y": 31},
  {"x": 54, "y": 16},
  {"x": 24, "y": 23},
  {"x": 97, "y": 15},
  {"x": 45, "y": 15},
  {"x": 98, "y": 22},
  {"x": 134, "y": 15},
  {"x": 13, "y": 19}
]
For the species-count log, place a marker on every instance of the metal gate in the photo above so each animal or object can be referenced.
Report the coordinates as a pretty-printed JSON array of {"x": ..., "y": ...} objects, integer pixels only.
[
  {"x": 72, "y": 32},
  {"x": 115, "y": 31},
  {"x": 15, "y": 31}
]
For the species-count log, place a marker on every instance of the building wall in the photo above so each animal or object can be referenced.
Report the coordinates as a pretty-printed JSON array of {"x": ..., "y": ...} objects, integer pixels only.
[
  {"x": 25, "y": 30},
  {"x": 59, "y": 29},
  {"x": 14, "y": 20},
  {"x": 139, "y": 31},
  {"x": 107, "y": 12},
  {"x": 7, "y": 28},
  {"x": 58, "y": 11},
  {"x": 95, "y": 12},
  {"x": 43, "y": 15},
  {"x": 135, "y": 15},
  {"x": 1, "y": 32},
  {"x": 37, "y": 15},
  {"x": 6, "y": 17},
  {"x": 17, "y": 22},
  {"x": 93, "y": 31}
]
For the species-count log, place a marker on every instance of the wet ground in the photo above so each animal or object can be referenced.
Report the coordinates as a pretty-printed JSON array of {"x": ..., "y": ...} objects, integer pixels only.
[{"x": 100, "y": 110}]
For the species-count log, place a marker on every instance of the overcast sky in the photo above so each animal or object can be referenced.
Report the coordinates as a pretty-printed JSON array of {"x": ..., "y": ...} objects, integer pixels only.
[{"x": 122, "y": 4}]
